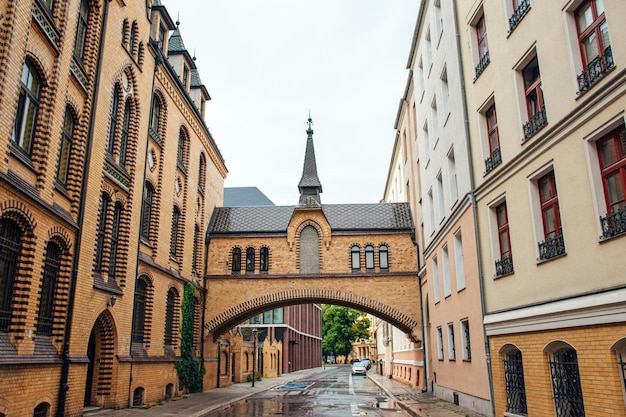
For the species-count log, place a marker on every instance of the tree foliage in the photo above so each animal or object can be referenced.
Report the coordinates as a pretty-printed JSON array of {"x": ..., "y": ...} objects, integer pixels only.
[
  {"x": 190, "y": 370},
  {"x": 341, "y": 326}
]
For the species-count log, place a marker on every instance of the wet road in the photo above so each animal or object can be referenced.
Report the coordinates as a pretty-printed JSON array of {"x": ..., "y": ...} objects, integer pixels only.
[{"x": 332, "y": 393}]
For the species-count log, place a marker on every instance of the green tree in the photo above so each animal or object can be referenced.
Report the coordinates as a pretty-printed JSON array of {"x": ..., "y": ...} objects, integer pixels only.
[
  {"x": 190, "y": 370},
  {"x": 341, "y": 326}
]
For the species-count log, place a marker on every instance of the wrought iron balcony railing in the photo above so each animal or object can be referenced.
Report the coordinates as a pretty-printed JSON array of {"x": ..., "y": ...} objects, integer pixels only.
[
  {"x": 595, "y": 70},
  {"x": 551, "y": 247},
  {"x": 613, "y": 224},
  {"x": 518, "y": 14},
  {"x": 493, "y": 161},
  {"x": 484, "y": 61},
  {"x": 504, "y": 266},
  {"x": 535, "y": 124}
]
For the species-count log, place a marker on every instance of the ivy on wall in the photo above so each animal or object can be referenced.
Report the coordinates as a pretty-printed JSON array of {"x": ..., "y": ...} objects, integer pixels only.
[{"x": 190, "y": 370}]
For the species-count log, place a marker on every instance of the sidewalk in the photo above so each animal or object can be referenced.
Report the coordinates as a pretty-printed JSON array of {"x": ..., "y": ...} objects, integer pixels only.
[
  {"x": 414, "y": 402},
  {"x": 417, "y": 403}
]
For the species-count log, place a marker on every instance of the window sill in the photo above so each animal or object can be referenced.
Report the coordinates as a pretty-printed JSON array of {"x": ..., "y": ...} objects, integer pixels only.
[
  {"x": 503, "y": 275},
  {"x": 543, "y": 261}
]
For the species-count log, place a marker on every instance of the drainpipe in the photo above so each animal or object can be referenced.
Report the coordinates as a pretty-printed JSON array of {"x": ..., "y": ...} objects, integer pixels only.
[
  {"x": 419, "y": 281},
  {"x": 474, "y": 208},
  {"x": 65, "y": 368}
]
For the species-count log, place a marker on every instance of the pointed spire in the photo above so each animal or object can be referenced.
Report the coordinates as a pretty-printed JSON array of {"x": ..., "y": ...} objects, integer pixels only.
[{"x": 310, "y": 186}]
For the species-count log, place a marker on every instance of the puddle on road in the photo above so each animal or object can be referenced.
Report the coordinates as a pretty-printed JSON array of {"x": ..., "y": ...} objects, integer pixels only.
[{"x": 389, "y": 403}]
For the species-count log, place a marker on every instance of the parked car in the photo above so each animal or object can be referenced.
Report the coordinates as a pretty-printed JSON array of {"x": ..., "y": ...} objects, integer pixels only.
[
  {"x": 367, "y": 363},
  {"x": 354, "y": 361},
  {"x": 359, "y": 368}
]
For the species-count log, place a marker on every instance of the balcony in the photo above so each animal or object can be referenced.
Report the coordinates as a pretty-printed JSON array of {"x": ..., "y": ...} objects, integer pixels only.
[
  {"x": 595, "y": 70},
  {"x": 484, "y": 61},
  {"x": 613, "y": 224},
  {"x": 551, "y": 247},
  {"x": 504, "y": 266},
  {"x": 535, "y": 124},
  {"x": 493, "y": 161},
  {"x": 518, "y": 14}
]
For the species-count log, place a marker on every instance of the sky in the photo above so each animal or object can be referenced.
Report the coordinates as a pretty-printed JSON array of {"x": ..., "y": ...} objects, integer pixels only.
[{"x": 267, "y": 63}]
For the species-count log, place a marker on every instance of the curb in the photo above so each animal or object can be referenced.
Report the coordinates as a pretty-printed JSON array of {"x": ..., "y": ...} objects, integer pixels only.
[{"x": 393, "y": 397}]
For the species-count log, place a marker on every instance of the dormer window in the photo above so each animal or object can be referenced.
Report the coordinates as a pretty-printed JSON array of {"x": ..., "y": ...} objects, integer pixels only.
[
  {"x": 185, "y": 76},
  {"x": 161, "y": 37}
]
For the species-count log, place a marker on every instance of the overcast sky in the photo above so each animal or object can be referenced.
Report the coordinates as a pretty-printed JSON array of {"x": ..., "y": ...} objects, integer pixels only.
[{"x": 266, "y": 63}]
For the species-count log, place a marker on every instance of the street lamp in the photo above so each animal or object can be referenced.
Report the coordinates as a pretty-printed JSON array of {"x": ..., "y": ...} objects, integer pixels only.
[{"x": 255, "y": 331}]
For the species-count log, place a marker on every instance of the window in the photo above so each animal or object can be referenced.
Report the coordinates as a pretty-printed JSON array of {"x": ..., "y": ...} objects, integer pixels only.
[
  {"x": 42, "y": 410},
  {"x": 115, "y": 239},
  {"x": 440, "y": 196},
  {"x": 52, "y": 264},
  {"x": 454, "y": 188},
  {"x": 236, "y": 266},
  {"x": 182, "y": 149},
  {"x": 185, "y": 76},
  {"x": 263, "y": 259},
  {"x": 505, "y": 264},
  {"x": 369, "y": 257},
  {"x": 174, "y": 236},
  {"x": 66, "y": 147},
  {"x": 250, "y": 260},
  {"x": 520, "y": 8},
  {"x": 612, "y": 158},
  {"x": 133, "y": 38},
  {"x": 445, "y": 94},
  {"x": 465, "y": 340},
  {"x": 170, "y": 307},
  {"x": 267, "y": 317},
  {"x": 566, "y": 389},
  {"x": 383, "y": 257},
  {"x": 113, "y": 121},
  {"x": 155, "y": 116},
  {"x": 255, "y": 320},
  {"x": 451, "y": 347},
  {"x": 355, "y": 255},
  {"x": 436, "y": 295},
  {"x": 81, "y": 30},
  {"x": 438, "y": 20},
  {"x": 49, "y": 3},
  {"x": 10, "y": 249},
  {"x": 553, "y": 244},
  {"x": 426, "y": 141},
  {"x": 481, "y": 37},
  {"x": 196, "y": 245},
  {"x": 495, "y": 156},
  {"x": 446, "y": 271},
  {"x": 514, "y": 382},
  {"x": 435, "y": 119},
  {"x": 202, "y": 173},
  {"x": 124, "y": 136},
  {"x": 439, "y": 343},
  {"x": 534, "y": 99},
  {"x": 459, "y": 263},
  {"x": 146, "y": 212},
  {"x": 102, "y": 216},
  {"x": 28, "y": 104},
  {"x": 593, "y": 38},
  {"x": 277, "y": 316},
  {"x": 139, "y": 310}
]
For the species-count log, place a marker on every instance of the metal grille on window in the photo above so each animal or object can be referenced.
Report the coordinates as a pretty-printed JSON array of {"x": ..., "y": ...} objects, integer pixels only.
[
  {"x": 139, "y": 314},
  {"x": 468, "y": 347},
  {"x": 48, "y": 288},
  {"x": 568, "y": 396},
  {"x": 622, "y": 365},
  {"x": 169, "y": 317},
  {"x": 514, "y": 382},
  {"x": 10, "y": 249}
]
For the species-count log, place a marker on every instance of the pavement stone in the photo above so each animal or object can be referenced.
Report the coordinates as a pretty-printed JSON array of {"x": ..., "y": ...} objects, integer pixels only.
[{"x": 416, "y": 403}]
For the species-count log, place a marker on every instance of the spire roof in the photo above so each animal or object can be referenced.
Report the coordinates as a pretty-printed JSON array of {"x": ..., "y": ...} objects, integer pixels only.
[
  {"x": 310, "y": 186},
  {"x": 175, "y": 43}
]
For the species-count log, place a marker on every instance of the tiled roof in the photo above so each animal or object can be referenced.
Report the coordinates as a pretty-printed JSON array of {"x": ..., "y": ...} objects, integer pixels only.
[
  {"x": 175, "y": 43},
  {"x": 245, "y": 197},
  {"x": 342, "y": 217},
  {"x": 195, "y": 79}
]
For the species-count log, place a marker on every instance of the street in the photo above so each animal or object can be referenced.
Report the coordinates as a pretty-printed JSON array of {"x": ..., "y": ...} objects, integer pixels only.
[{"x": 333, "y": 393}]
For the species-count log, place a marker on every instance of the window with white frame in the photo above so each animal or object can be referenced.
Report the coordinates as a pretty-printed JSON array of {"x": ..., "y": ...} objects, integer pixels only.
[
  {"x": 426, "y": 141},
  {"x": 516, "y": 9},
  {"x": 445, "y": 94},
  {"x": 434, "y": 119},
  {"x": 453, "y": 186},
  {"x": 431, "y": 210},
  {"x": 451, "y": 348},
  {"x": 459, "y": 263},
  {"x": 420, "y": 77},
  {"x": 439, "y": 343},
  {"x": 611, "y": 150},
  {"x": 501, "y": 239},
  {"x": 552, "y": 243},
  {"x": 429, "y": 54},
  {"x": 440, "y": 197},
  {"x": 435, "y": 271},
  {"x": 480, "y": 43},
  {"x": 534, "y": 100},
  {"x": 438, "y": 19},
  {"x": 465, "y": 341},
  {"x": 447, "y": 290}
]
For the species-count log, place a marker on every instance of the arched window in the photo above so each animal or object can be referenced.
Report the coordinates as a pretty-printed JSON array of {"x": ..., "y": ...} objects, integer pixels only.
[
  {"x": 133, "y": 38},
  {"x": 263, "y": 259},
  {"x": 138, "y": 397},
  {"x": 309, "y": 250},
  {"x": 174, "y": 236},
  {"x": 369, "y": 257},
  {"x": 66, "y": 147},
  {"x": 104, "y": 208},
  {"x": 115, "y": 239},
  {"x": 514, "y": 382},
  {"x": 10, "y": 249},
  {"x": 194, "y": 255},
  {"x": 51, "y": 268},
  {"x": 383, "y": 256},
  {"x": 355, "y": 256},
  {"x": 224, "y": 363},
  {"x": 26, "y": 116},
  {"x": 202, "y": 173},
  {"x": 250, "y": 260},
  {"x": 170, "y": 307},
  {"x": 125, "y": 131},
  {"x": 146, "y": 210},
  {"x": 139, "y": 310},
  {"x": 566, "y": 388},
  {"x": 236, "y": 267},
  {"x": 182, "y": 149},
  {"x": 115, "y": 102},
  {"x": 155, "y": 116},
  {"x": 81, "y": 30},
  {"x": 42, "y": 410}
]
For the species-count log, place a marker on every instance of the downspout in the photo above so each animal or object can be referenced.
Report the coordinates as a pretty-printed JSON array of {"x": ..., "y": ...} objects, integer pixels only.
[
  {"x": 474, "y": 208},
  {"x": 419, "y": 282},
  {"x": 65, "y": 368},
  {"x": 157, "y": 62}
]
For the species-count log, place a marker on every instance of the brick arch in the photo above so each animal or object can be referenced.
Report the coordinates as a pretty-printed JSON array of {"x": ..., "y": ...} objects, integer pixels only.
[
  {"x": 60, "y": 237},
  {"x": 221, "y": 323},
  {"x": 105, "y": 330},
  {"x": 149, "y": 307}
]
